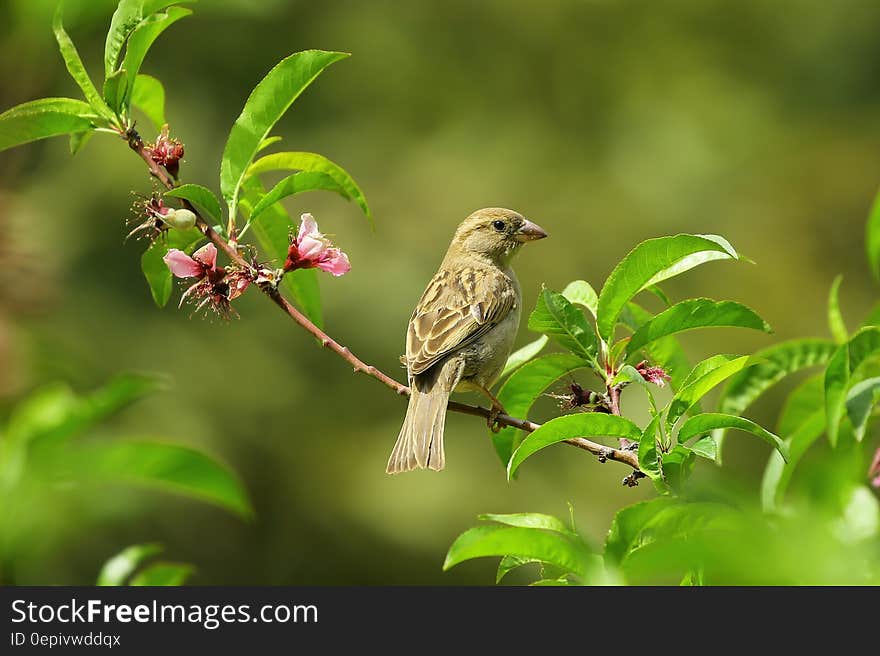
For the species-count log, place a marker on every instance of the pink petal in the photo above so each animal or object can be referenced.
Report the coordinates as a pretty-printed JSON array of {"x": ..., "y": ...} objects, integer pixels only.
[
  {"x": 182, "y": 265},
  {"x": 307, "y": 226},
  {"x": 335, "y": 262},
  {"x": 207, "y": 255},
  {"x": 310, "y": 248}
]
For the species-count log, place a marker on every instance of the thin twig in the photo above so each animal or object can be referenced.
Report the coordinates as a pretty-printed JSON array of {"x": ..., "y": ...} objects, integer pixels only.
[{"x": 600, "y": 450}]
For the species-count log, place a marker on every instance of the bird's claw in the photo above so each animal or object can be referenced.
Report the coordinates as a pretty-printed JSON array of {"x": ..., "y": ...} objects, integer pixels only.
[{"x": 492, "y": 419}]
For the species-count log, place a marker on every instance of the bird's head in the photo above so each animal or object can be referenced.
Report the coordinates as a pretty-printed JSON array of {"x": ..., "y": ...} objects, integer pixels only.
[{"x": 496, "y": 233}]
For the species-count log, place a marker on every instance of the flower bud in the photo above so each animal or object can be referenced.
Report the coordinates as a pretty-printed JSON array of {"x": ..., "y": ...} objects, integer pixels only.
[{"x": 180, "y": 219}]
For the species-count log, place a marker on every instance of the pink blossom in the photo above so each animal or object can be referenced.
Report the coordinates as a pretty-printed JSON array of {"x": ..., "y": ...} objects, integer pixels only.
[
  {"x": 311, "y": 249},
  {"x": 655, "y": 375},
  {"x": 215, "y": 286},
  {"x": 874, "y": 471},
  {"x": 197, "y": 266}
]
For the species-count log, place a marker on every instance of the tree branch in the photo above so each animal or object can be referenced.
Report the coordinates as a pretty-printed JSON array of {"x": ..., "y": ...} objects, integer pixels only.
[{"x": 600, "y": 450}]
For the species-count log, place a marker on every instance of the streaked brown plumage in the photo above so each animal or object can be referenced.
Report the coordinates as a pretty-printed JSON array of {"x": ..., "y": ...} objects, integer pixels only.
[{"x": 462, "y": 330}]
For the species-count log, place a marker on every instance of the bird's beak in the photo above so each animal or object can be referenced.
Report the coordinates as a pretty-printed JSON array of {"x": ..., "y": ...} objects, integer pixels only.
[{"x": 530, "y": 232}]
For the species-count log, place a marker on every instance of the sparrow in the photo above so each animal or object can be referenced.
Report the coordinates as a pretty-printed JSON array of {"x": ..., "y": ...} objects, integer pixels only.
[{"x": 462, "y": 330}]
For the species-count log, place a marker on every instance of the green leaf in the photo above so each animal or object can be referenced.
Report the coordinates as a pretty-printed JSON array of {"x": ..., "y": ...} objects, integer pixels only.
[
  {"x": 296, "y": 184},
  {"x": 267, "y": 103},
  {"x": 44, "y": 118},
  {"x": 835, "y": 319},
  {"x": 530, "y": 520},
  {"x": 701, "y": 383},
  {"x": 140, "y": 40},
  {"x": 556, "y": 430},
  {"x": 860, "y": 400},
  {"x": 522, "y": 355},
  {"x": 696, "y": 313},
  {"x": 651, "y": 262},
  {"x": 555, "y": 316},
  {"x": 118, "y": 568},
  {"x": 801, "y": 423},
  {"x": 313, "y": 163},
  {"x": 628, "y": 524},
  {"x": 272, "y": 229},
  {"x": 114, "y": 90},
  {"x": 76, "y": 69},
  {"x": 199, "y": 195},
  {"x": 872, "y": 238},
  {"x": 168, "y": 467},
  {"x": 163, "y": 574},
  {"x": 843, "y": 364},
  {"x": 580, "y": 292},
  {"x": 649, "y": 454},
  {"x": 265, "y": 143},
  {"x": 659, "y": 293},
  {"x": 545, "y": 546},
  {"x": 707, "y": 422},
  {"x": 777, "y": 362},
  {"x": 510, "y": 563},
  {"x": 126, "y": 17},
  {"x": 677, "y": 467},
  {"x": 155, "y": 270},
  {"x": 78, "y": 140},
  {"x": 148, "y": 95},
  {"x": 705, "y": 447},
  {"x": 522, "y": 389}
]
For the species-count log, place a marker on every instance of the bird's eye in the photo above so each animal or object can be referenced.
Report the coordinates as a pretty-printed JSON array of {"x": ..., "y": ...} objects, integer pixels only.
[{"x": 498, "y": 225}]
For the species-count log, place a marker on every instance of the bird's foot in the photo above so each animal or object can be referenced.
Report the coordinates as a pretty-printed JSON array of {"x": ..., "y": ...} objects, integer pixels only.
[{"x": 492, "y": 419}]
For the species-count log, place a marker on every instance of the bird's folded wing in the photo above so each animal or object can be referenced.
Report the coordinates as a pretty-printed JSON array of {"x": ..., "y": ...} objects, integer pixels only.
[{"x": 456, "y": 308}]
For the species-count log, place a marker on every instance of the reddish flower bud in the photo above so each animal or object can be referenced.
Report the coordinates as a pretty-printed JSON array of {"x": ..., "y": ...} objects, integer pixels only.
[
  {"x": 655, "y": 375},
  {"x": 166, "y": 151}
]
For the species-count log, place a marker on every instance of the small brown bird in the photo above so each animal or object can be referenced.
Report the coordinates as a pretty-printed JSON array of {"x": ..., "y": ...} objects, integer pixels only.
[{"x": 462, "y": 330}]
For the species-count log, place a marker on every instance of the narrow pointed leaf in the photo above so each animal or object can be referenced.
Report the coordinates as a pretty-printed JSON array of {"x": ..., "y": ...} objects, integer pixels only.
[
  {"x": 705, "y": 447},
  {"x": 860, "y": 400},
  {"x": 580, "y": 292},
  {"x": 168, "y": 467},
  {"x": 76, "y": 69},
  {"x": 801, "y": 423},
  {"x": 148, "y": 95},
  {"x": 313, "y": 163},
  {"x": 544, "y": 546},
  {"x": 649, "y": 454},
  {"x": 555, "y": 316},
  {"x": 707, "y": 422},
  {"x": 120, "y": 567},
  {"x": 835, "y": 319},
  {"x": 846, "y": 360},
  {"x": 590, "y": 425},
  {"x": 665, "y": 352},
  {"x": 201, "y": 196},
  {"x": 44, "y": 118},
  {"x": 126, "y": 17},
  {"x": 696, "y": 313},
  {"x": 522, "y": 355},
  {"x": 267, "y": 103},
  {"x": 140, "y": 40},
  {"x": 530, "y": 520},
  {"x": 651, "y": 262},
  {"x": 777, "y": 362},
  {"x": 872, "y": 238},
  {"x": 163, "y": 574},
  {"x": 693, "y": 390},
  {"x": 522, "y": 389},
  {"x": 78, "y": 140},
  {"x": 296, "y": 184},
  {"x": 114, "y": 90}
]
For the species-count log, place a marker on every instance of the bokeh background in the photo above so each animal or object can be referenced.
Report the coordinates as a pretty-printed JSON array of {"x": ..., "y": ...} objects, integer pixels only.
[{"x": 605, "y": 121}]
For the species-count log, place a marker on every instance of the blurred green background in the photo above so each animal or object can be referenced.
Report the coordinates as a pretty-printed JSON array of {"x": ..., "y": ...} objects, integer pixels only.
[{"x": 606, "y": 122}]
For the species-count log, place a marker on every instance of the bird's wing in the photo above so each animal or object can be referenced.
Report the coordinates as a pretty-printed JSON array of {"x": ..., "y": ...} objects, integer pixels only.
[{"x": 456, "y": 308}]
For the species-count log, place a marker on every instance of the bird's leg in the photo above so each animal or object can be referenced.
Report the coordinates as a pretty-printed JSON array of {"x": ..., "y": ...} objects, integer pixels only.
[{"x": 494, "y": 411}]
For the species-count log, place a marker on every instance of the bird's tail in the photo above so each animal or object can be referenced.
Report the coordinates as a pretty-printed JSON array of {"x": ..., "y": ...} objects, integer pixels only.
[{"x": 420, "y": 443}]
